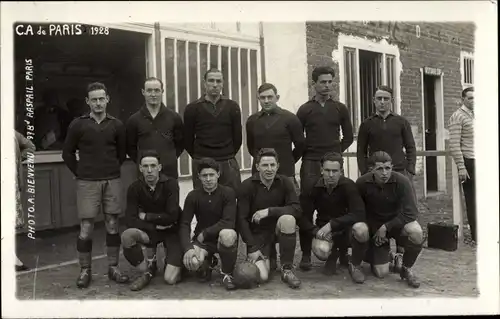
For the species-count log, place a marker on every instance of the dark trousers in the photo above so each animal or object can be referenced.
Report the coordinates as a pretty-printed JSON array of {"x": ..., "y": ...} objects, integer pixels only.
[
  {"x": 229, "y": 173},
  {"x": 469, "y": 187}
]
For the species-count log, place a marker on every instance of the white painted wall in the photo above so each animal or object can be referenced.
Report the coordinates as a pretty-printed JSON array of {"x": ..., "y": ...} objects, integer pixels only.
[
  {"x": 286, "y": 61},
  {"x": 285, "y": 54}
]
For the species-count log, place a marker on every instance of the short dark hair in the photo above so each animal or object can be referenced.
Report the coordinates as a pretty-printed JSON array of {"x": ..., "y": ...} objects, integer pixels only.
[
  {"x": 212, "y": 70},
  {"x": 207, "y": 162},
  {"x": 318, "y": 71},
  {"x": 96, "y": 86},
  {"x": 152, "y": 78},
  {"x": 266, "y": 152},
  {"x": 267, "y": 86},
  {"x": 385, "y": 88},
  {"x": 148, "y": 153},
  {"x": 332, "y": 157},
  {"x": 466, "y": 90},
  {"x": 379, "y": 157}
]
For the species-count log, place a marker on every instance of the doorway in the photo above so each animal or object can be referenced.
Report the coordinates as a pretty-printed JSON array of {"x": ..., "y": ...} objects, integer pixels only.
[
  {"x": 64, "y": 66},
  {"x": 430, "y": 141},
  {"x": 433, "y": 131}
]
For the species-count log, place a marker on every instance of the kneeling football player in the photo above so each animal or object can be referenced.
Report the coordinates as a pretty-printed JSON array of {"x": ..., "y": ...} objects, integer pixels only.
[
  {"x": 268, "y": 206},
  {"x": 214, "y": 206},
  {"x": 391, "y": 212},
  {"x": 341, "y": 215},
  {"x": 152, "y": 217}
]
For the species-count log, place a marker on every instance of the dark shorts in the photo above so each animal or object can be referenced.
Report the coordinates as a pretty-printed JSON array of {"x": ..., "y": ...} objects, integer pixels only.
[
  {"x": 92, "y": 195},
  {"x": 210, "y": 246},
  {"x": 171, "y": 244},
  {"x": 380, "y": 255},
  {"x": 340, "y": 238},
  {"x": 265, "y": 242},
  {"x": 229, "y": 173}
]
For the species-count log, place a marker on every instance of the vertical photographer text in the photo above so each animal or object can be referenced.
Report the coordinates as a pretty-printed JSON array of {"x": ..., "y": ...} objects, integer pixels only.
[{"x": 30, "y": 134}]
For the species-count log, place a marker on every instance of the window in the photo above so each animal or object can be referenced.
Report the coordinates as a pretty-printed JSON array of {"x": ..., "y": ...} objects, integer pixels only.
[
  {"x": 366, "y": 65},
  {"x": 185, "y": 64},
  {"x": 468, "y": 74}
]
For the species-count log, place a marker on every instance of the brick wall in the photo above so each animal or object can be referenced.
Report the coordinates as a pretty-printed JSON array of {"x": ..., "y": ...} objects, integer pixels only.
[{"x": 438, "y": 46}]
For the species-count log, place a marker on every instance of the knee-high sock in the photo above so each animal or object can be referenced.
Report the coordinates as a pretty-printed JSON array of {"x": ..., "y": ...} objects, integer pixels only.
[
  {"x": 84, "y": 248},
  {"x": 113, "y": 242},
  {"x": 358, "y": 251},
  {"x": 305, "y": 243},
  {"x": 287, "y": 244},
  {"x": 228, "y": 257},
  {"x": 412, "y": 251}
]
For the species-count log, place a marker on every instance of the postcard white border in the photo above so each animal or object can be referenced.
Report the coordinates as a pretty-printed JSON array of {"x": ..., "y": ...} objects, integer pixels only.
[{"x": 483, "y": 13}]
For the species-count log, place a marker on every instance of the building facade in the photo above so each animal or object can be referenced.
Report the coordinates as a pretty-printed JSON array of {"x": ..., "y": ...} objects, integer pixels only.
[{"x": 427, "y": 65}]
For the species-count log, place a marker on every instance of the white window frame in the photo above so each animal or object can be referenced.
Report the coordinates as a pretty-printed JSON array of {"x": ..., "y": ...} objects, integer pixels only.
[
  {"x": 383, "y": 48},
  {"x": 219, "y": 39},
  {"x": 465, "y": 55}
]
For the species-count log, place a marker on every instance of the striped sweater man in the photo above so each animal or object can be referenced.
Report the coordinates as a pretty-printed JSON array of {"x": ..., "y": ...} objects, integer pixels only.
[{"x": 461, "y": 127}]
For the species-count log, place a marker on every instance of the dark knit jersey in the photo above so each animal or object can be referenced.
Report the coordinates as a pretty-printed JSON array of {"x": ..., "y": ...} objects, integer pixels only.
[
  {"x": 164, "y": 134},
  {"x": 278, "y": 129},
  {"x": 342, "y": 207},
  {"x": 253, "y": 195},
  {"x": 101, "y": 148},
  {"x": 392, "y": 203},
  {"x": 392, "y": 135},
  {"x": 213, "y": 211},
  {"x": 212, "y": 130},
  {"x": 322, "y": 125},
  {"x": 161, "y": 205}
]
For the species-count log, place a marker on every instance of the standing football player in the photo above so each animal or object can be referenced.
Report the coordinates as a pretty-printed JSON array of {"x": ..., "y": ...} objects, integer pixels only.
[
  {"x": 212, "y": 126},
  {"x": 341, "y": 216},
  {"x": 274, "y": 127},
  {"x": 156, "y": 127},
  {"x": 322, "y": 119},
  {"x": 389, "y": 132},
  {"x": 100, "y": 141},
  {"x": 391, "y": 212},
  {"x": 152, "y": 217},
  {"x": 268, "y": 207},
  {"x": 214, "y": 206}
]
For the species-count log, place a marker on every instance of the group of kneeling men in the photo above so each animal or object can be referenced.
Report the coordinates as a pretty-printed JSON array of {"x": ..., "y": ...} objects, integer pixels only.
[{"x": 266, "y": 210}]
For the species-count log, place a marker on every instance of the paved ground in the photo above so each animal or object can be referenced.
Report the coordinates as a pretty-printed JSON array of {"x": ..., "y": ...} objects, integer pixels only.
[{"x": 442, "y": 273}]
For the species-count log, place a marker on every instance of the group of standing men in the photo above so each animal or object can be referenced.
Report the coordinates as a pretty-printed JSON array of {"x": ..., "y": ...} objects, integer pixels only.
[{"x": 266, "y": 208}]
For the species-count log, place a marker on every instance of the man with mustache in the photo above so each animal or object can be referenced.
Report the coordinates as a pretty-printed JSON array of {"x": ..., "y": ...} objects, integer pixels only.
[
  {"x": 214, "y": 206},
  {"x": 268, "y": 209},
  {"x": 391, "y": 212},
  {"x": 100, "y": 141},
  {"x": 322, "y": 119},
  {"x": 212, "y": 126}
]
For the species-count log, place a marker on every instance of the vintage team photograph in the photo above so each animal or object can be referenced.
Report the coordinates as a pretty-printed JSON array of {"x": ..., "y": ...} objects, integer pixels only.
[
  {"x": 172, "y": 161},
  {"x": 244, "y": 160}
]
